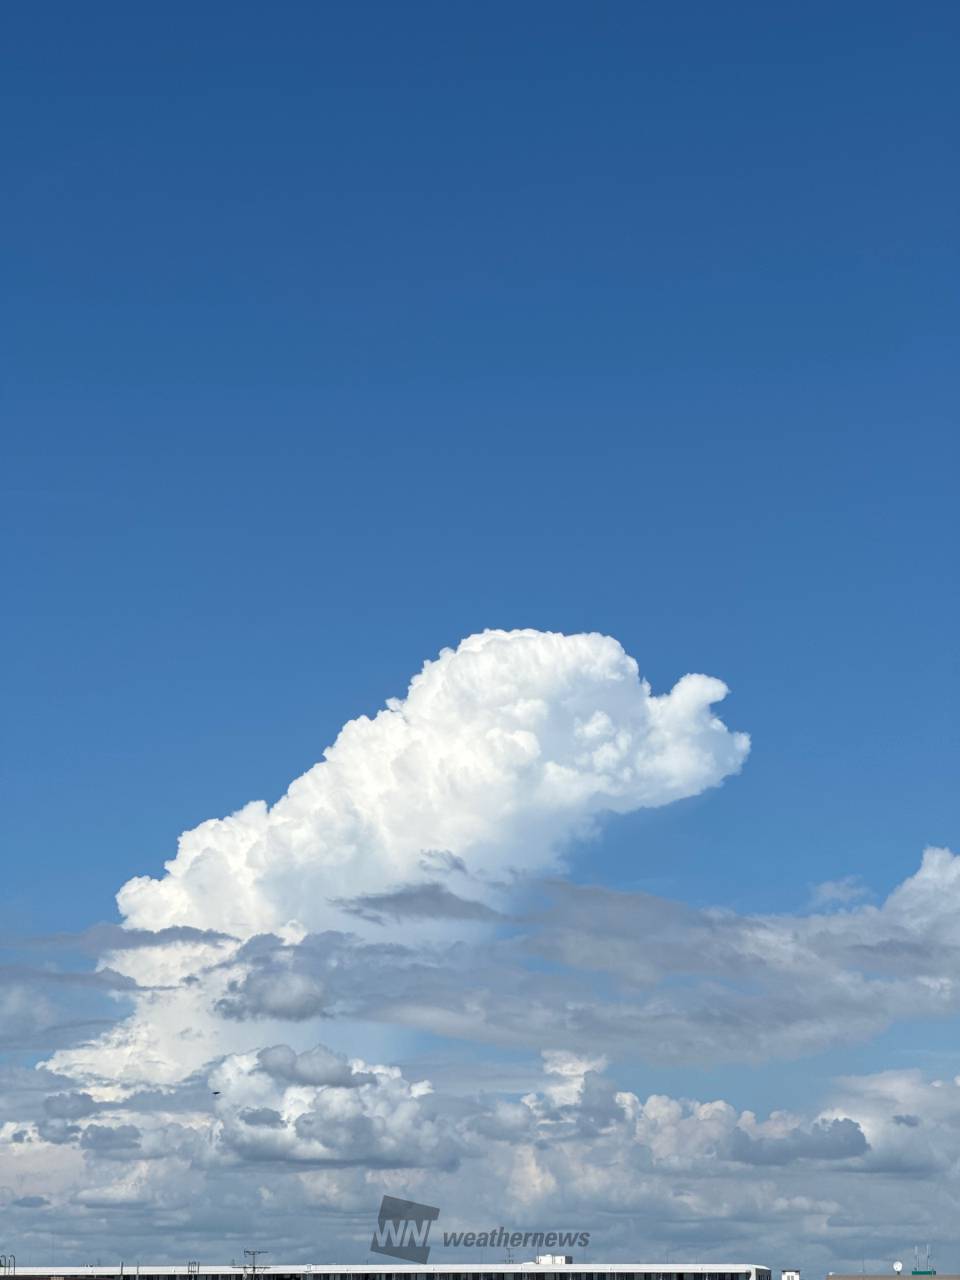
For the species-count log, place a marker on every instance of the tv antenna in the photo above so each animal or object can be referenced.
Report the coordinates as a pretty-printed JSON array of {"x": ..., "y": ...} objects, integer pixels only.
[{"x": 253, "y": 1255}]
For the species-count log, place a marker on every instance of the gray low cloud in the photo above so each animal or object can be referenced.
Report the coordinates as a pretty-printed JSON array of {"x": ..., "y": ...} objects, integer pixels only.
[
  {"x": 635, "y": 975},
  {"x": 429, "y": 901},
  {"x": 823, "y": 1140},
  {"x": 630, "y": 975},
  {"x": 270, "y": 990},
  {"x": 99, "y": 938},
  {"x": 111, "y": 1138}
]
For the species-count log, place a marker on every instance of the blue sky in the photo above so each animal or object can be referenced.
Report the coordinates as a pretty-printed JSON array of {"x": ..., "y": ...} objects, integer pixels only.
[{"x": 338, "y": 333}]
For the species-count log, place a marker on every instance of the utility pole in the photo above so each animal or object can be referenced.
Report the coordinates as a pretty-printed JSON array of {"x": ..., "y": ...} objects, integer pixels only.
[{"x": 253, "y": 1255}]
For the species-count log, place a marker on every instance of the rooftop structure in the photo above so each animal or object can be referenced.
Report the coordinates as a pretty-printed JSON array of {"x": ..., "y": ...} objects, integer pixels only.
[{"x": 438, "y": 1271}]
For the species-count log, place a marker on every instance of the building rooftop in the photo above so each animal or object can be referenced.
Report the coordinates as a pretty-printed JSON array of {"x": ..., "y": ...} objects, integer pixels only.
[{"x": 300, "y": 1269}]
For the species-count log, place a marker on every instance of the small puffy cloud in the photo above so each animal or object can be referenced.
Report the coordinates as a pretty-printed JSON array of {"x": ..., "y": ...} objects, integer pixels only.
[
  {"x": 316, "y": 1108},
  {"x": 569, "y": 1072},
  {"x": 273, "y": 992},
  {"x": 317, "y": 1066},
  {"x": 58, "y": 1131},
  {"x": 823, "y": 1140},
  {"x": 69, "y": 1106},
  {"x": 261, "y": 1116}
]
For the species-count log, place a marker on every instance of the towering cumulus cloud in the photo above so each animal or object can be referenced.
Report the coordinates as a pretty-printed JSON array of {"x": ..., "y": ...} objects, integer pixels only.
[{"x": 503, "y": 749}]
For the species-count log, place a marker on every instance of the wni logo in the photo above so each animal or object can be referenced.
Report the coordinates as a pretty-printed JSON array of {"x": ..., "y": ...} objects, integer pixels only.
[{"x": 403, "y": 1229}]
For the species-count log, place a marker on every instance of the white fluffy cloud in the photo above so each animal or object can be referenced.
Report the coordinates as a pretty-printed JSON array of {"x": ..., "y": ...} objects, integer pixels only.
[
  {"x": 503, "y": 749},
  {"x": 289, "y": 1135},
  {"x": 316, "y": 1108}
]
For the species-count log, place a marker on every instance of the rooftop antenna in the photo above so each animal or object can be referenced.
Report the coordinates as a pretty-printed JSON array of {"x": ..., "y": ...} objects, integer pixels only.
[
  {"x": 253, "y": 1255},
  {"x": 927, "y": 1268}
]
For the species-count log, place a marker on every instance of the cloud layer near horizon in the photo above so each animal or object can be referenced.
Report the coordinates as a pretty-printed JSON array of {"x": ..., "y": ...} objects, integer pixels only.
[{"x": 298, "y": 1147}]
